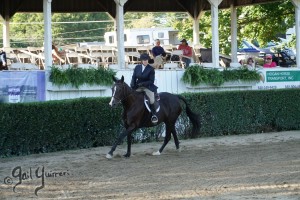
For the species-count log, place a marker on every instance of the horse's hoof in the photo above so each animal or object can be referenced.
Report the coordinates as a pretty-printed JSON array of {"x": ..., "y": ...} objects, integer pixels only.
[
  {"x": 156, "y": 153},
  {"x": 126, "y": 155},
  {"x": 108, "y": 156},
  {"x": 179, "y": 150}
]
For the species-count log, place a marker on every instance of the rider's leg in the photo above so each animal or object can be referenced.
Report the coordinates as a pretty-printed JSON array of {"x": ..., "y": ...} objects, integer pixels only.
[{"x": 151, "y": 96}]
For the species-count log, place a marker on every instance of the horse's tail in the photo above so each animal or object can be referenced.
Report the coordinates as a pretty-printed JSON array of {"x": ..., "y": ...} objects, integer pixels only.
[{"x": 194, "y": 118}]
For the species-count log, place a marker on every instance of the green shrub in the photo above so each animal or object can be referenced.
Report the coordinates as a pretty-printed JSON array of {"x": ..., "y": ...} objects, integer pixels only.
[
  {"x": 195, "y": 75},
  {"x": 78, "y": 76}
]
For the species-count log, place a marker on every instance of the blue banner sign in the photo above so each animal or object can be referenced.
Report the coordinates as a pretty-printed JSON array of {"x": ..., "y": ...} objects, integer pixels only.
[{"x": 22, "y": 86}]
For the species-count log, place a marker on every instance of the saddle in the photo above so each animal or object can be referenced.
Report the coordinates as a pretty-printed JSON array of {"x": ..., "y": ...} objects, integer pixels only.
[{"x": 156, "y": 102}]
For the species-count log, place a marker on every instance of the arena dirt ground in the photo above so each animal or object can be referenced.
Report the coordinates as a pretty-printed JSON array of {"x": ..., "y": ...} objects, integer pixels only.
[{"x": 257, "y": 166}]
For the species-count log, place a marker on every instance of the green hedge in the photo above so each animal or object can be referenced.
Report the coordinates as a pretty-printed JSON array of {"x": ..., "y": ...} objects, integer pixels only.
[
  {"x": 57, "y": 125},
  {"x": 245, "y": 112},
  {"x": 40, "y": 127}
]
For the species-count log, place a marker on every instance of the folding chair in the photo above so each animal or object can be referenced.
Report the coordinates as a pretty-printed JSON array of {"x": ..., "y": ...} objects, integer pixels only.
[
  {"x": 132, "y": 57},
  {"x": 84, "y": 51},
  {"x": 177, "y": 54},
  {"x": 206, "y": 55},
  {"x": 24, "y": 58},
  {"x": 95, "y": 54},
  {"x": 197, "y": 53},
  {"x": 72, "y": 58},
  {"x": 142, "y": 49},
  {"x": 108, "y": 56}
]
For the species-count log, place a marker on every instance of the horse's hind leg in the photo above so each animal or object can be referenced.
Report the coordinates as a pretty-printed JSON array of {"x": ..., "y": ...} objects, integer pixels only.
[{"x": 167, "y": 139}]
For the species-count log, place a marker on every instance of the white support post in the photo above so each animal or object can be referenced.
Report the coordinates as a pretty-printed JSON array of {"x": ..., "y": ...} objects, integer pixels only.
[
  {"x": 47, "y": 33},
  {"x": 6, "y": 19},
  {"x": 234, "y": 60},
  {"x": 115, "y": 30},
  {"x": 6, "y": 40},
  {"x": 215, "y": 32},
  {"x": 120, "y": 32},
  {"x": 297, "y": 19},
  {"x": 196, "y": 30}
]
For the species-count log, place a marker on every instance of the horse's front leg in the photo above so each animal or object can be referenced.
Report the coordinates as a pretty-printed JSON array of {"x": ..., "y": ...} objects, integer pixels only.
[{"x": 121, "y": 137}]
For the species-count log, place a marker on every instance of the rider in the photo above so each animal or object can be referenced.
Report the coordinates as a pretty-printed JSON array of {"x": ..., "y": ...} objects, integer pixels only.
[{"x": 143, "y": 80}]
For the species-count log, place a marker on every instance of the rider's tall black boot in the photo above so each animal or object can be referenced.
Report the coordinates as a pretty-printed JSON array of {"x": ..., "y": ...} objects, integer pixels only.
[{"x": 154, "y": 118}]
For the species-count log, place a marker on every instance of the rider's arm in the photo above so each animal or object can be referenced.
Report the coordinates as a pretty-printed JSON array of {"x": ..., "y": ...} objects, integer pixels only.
[{"x": 133, "y": 79}]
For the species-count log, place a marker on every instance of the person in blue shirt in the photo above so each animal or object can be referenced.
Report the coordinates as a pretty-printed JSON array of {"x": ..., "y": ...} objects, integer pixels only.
[{"x": 158, "y": 53}]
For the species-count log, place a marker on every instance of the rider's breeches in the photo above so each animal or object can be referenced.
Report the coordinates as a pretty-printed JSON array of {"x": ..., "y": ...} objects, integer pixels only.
[{"x": 148, "y": 92}]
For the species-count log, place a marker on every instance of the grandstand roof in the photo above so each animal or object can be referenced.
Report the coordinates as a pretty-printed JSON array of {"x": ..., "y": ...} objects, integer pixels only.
[{"x": 193, "y": 7}]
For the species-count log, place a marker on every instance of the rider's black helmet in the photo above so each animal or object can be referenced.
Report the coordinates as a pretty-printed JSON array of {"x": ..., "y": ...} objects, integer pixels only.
[{"x": 144, "y": 56}]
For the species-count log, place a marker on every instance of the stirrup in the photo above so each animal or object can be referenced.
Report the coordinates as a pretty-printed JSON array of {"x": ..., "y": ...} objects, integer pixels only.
[{"x": 154, "y": 119}]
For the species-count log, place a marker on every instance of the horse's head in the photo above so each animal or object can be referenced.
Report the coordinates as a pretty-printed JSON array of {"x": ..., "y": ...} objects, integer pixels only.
[{"x": 119, "y": 91}]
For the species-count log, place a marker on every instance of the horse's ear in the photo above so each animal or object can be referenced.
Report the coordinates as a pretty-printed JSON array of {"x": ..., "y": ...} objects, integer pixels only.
[
  {"x": 122, "y": 79},
  {"x": 114, "y": 78}
]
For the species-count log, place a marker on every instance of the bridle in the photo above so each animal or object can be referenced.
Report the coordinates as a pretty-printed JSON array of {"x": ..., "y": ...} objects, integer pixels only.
[{"x": 120, "y": 100}]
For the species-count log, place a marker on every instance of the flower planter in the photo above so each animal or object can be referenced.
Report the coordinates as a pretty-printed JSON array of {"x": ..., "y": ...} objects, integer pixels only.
[{"x": 69, "y": 87}]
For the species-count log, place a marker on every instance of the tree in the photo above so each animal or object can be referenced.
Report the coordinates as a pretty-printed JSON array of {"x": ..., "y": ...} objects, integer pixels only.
[
  {"x": 261, "y": 23},
  {"x": 77, "y": 30},
  {"x": 265, "y": 22},
  {"x": 28, "y": 29},
  {"x": 144, "y": 20}
]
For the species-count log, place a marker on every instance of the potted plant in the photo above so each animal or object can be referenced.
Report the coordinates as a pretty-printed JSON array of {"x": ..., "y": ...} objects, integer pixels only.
[
  {"x": 197, "y": 75},
  {"x": 76, "y": 77}
]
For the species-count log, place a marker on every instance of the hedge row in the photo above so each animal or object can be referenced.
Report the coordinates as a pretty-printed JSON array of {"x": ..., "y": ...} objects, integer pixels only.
[
  {"x": 246, "y": 112},
  {"x": 40, "y": 127},
  {"x": 57, "y": 125}
]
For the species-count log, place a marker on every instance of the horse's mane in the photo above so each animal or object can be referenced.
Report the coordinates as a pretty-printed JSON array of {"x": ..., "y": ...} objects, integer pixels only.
[{"x": 129, "y": 89}]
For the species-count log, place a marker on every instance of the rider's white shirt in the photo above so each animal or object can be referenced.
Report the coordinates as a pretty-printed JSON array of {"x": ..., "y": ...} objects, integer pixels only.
[{"x": 143, "y": 67}]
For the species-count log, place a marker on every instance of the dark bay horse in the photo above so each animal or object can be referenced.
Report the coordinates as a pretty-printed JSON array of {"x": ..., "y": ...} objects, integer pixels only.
[{"x": 135, "y": 114}]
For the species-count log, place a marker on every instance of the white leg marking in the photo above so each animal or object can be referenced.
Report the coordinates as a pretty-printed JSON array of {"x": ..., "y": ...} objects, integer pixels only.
[
  {"x": 156, "y": 153},
  {"x": 110, "y": 103},
  {"x": 179, "y": 149},
  {"x": 108, "y": 156}
]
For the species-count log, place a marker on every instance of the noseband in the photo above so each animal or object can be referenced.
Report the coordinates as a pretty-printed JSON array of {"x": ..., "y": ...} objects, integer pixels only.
[{"x": 124, "y": 96}]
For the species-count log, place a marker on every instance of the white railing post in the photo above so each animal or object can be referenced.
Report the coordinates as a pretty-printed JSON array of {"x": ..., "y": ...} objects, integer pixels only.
[
  {"x": 120, "y": 32},
  {"x": 47, "y": 33}
]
